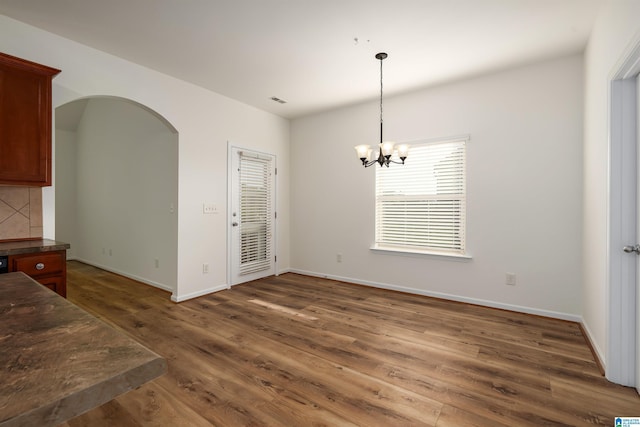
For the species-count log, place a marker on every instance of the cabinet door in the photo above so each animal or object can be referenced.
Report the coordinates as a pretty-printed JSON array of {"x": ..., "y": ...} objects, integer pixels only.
[
  {"x": 55, "y": 283},
  {"x": 25, "y": 122}
]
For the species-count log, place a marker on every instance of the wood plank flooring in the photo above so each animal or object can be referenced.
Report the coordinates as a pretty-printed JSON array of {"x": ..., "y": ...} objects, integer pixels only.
[{"x": 301, "y": 351}]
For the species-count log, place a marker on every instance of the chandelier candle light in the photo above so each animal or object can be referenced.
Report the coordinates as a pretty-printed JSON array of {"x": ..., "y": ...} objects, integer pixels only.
[{"x": 385, "y": 149}]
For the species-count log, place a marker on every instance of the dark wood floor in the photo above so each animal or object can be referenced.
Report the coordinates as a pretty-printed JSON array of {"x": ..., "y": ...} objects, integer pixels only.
[{"x": 301, "y": 351}]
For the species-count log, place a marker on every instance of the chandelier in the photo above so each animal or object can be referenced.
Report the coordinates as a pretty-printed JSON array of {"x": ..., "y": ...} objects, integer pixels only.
[{"x": 385, "y": 149}]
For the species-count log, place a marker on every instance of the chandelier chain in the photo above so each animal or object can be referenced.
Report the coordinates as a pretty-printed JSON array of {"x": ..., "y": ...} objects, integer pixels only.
[
  {"x": 381, "y": 113},
  {"x": 385, "y": 149}
]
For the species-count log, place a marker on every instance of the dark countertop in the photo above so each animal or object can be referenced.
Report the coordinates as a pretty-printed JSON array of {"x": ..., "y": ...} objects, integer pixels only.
[
  {"x": 31, "y": 246},
  {"x": 57, "y": 361}
]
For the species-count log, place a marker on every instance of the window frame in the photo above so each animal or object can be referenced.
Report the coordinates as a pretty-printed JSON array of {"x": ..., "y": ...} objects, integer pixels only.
[{"x": 414, "y": 251}]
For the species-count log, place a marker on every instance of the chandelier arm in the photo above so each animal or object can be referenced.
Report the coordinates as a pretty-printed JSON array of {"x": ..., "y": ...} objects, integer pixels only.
[
  {"x": 401, "y": 162},
  {"x": 385, "y": 161}
]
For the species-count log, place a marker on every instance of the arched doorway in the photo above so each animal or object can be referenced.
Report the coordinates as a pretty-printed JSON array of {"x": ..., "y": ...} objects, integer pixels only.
[{"x": 116, "y": 188}]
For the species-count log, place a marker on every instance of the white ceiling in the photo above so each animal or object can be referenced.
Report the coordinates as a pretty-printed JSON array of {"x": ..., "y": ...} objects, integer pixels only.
[{"x": 317, "y": 54}]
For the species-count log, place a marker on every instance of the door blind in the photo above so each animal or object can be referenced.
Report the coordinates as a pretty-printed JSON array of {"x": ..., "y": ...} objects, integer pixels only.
[
  {"x": 255, "y": 213},
  {"x": 421, "y": 206}
]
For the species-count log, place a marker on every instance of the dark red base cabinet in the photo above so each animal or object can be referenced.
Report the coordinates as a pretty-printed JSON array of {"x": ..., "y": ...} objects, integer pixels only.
[{"x": 47, "y": 268}]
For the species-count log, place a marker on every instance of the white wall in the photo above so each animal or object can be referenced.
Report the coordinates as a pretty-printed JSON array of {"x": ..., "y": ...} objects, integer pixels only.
[
  {"x": 616, "y": 28},
  {"x": 524, "y": 189},
  {"x": 205, "y": 121},
  {"x": 66, "y": 179},
  {"x": 126, "y": 192}
]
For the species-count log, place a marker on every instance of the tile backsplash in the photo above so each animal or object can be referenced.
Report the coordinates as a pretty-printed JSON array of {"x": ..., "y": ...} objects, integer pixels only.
[{"x": 20, "y": 212}]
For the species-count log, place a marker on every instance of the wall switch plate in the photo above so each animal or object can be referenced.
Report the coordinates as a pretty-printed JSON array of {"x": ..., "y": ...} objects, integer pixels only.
[{"x": 209, "y": 208}]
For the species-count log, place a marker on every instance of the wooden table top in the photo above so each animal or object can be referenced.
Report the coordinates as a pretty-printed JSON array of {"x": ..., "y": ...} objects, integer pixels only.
[{"x": 57, "y": 361}]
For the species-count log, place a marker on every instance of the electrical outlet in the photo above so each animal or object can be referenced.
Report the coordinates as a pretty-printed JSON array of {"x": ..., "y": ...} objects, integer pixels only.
[
  {"x": 338, "y": 257},
  {"x": 157, "y": 263},
  {"x": 511, "y": 279},
  {"x": 205, "y": 268}
]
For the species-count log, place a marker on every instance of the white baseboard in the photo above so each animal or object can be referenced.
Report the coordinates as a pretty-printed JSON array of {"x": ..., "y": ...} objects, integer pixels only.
[
  {"x": 484, "y": 303},
  {"x": 123, "y": 273},
  {"x": 594, "y": 344},
  {"x": 174, "y": 297},
  {"x": 181, "y": 298}
]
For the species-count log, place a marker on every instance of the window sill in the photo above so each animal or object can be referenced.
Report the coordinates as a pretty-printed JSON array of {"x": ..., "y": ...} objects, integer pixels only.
[{"x": 418, "y": 253}]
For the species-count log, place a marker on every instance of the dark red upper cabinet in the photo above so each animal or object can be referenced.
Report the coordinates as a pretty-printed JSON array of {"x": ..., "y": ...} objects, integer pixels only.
[{"x": 25, "y": 122}]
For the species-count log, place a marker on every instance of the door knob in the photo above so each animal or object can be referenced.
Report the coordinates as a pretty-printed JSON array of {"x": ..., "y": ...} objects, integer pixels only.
[{"x": 629, "y": 249}]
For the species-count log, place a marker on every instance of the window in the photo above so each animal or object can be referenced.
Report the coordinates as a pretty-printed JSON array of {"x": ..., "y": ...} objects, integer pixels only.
[
  {"x": 421, "y": 206},
  {"x": 255, "y": 213}
]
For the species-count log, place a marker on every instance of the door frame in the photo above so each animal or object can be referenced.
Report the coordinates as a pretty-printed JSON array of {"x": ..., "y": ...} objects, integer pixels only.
[
  {"x": 621, "y": 358},
  {"x": 230, "y": 149}
]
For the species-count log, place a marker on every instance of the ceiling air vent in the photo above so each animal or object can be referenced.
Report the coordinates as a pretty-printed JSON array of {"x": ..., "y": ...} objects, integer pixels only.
[{"x": 278, "y": 100}]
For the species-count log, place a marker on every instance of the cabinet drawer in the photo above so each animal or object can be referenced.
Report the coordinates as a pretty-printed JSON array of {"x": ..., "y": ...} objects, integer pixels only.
[{"x": 38, "y": 265}]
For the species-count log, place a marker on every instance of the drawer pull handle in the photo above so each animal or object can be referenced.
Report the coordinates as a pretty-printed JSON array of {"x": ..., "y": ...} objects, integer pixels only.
[{"x": 40, "y": 266}]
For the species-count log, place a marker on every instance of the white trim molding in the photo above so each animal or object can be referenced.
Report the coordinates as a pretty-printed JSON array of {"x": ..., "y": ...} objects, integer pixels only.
[
  {"x": 621, "y": 220},
  {"x": 181, "y": 298},
  {"x": 450, "y": 297},
  {"x": 174, "y": 296},
  {"x": 594, "y": 345},
  {"x": 124, "y": 274}
]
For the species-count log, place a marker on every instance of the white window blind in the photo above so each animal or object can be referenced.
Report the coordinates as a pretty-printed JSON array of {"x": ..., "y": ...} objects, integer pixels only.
[
  {"x": 421, "y": 206},
  {"x": 255, "y": 213}
]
